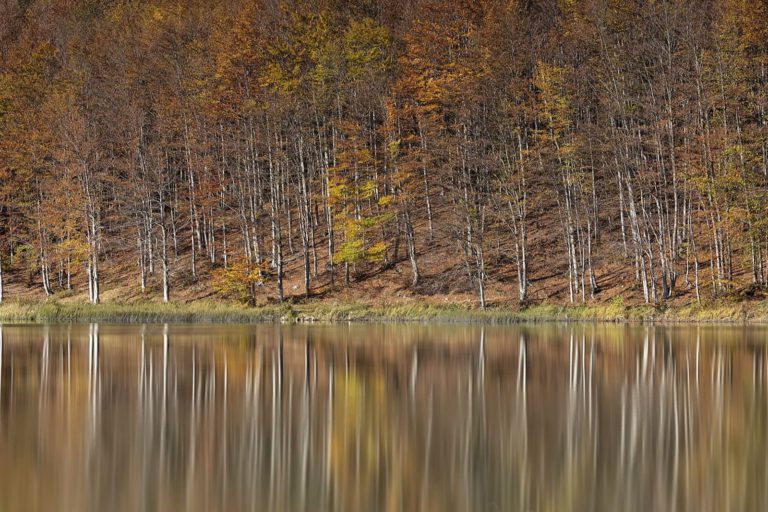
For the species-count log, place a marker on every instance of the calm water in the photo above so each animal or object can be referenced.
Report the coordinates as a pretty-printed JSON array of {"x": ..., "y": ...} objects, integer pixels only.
[{"x": 383, "y": 417}]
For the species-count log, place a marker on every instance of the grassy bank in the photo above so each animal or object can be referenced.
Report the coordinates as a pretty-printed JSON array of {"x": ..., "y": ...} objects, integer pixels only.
[{"x": 218, "y": 312}]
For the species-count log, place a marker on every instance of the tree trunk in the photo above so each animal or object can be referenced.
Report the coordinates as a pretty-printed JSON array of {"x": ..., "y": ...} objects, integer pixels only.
[
  {"x": 411, "y": 244},
  {"x": 166, "y": 270},
  {"x": 480, "y": 261}
]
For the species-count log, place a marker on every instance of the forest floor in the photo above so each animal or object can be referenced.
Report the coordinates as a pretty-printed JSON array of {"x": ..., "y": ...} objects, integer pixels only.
[
  {"x": 380, "y": 295},
  {"x": 378, "y": 292}
]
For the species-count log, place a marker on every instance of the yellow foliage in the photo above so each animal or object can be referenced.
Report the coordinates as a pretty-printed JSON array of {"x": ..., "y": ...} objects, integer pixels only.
[{"x": 237, "y": 281}]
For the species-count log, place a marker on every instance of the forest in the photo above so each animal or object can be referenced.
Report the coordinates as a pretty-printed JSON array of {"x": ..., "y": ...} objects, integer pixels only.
[{"x": 495, "y": 151}]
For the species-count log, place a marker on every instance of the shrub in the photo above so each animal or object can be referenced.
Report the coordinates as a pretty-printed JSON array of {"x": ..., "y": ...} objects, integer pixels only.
[{"x": 238, "y": 281}]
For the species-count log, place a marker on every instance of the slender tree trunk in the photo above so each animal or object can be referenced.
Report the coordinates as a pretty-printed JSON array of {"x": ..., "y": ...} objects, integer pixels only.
[
  {"x": 427, "y": 196},
  {"x": 695, "y": 261},
  {"x": 166, "y": 270},
  {"x": 328, "y": 215},
  {"x": 305, "y": 220},
  {"x": 69, "y": 273},
  {"x": 142, "y": 265},
  {"x": 93, "y": 263},
  {"x": 480, "y": 262},
  {"x": 411, "y": 245},
  {"x": 277, "y": 242}
]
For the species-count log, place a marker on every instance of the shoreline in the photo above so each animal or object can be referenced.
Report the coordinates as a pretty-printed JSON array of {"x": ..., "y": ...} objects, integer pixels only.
[{"x": 734, "y": 313}]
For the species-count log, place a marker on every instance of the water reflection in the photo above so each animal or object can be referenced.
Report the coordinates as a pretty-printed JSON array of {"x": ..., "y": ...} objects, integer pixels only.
[{"x": 382, "y": 417}]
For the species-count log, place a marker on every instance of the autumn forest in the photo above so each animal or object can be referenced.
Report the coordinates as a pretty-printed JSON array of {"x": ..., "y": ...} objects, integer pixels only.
[{"x": 491, "y": 151}]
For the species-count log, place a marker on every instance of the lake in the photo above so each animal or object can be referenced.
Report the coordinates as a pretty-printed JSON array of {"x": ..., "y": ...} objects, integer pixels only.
[{"x": 383, "y": 417}]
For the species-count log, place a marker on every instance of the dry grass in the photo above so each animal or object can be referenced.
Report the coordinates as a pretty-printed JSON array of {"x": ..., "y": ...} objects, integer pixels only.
[{"x": 325, "y": 311}]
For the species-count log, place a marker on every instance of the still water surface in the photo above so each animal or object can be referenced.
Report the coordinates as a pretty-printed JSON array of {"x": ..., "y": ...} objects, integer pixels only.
[{"x": 383, "y": 418}]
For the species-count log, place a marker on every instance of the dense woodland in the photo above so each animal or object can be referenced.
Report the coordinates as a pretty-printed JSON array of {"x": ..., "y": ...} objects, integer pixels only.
[{"x": 245, "y": 143}]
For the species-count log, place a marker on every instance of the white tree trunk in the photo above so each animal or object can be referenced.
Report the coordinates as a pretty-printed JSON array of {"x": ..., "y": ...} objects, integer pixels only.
[{"x": 166, "y": 293}]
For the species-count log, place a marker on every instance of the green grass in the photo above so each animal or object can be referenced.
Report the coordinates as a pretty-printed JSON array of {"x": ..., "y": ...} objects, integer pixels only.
[{"x": 221, "y": 312}]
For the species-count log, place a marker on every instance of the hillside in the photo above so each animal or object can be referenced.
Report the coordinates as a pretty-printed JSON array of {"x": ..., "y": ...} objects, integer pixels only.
[{"x": 494, "y": 154}]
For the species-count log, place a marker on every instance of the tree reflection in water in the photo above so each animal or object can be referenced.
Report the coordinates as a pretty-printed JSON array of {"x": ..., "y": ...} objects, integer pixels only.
[{"x": 383, "y": 417}]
